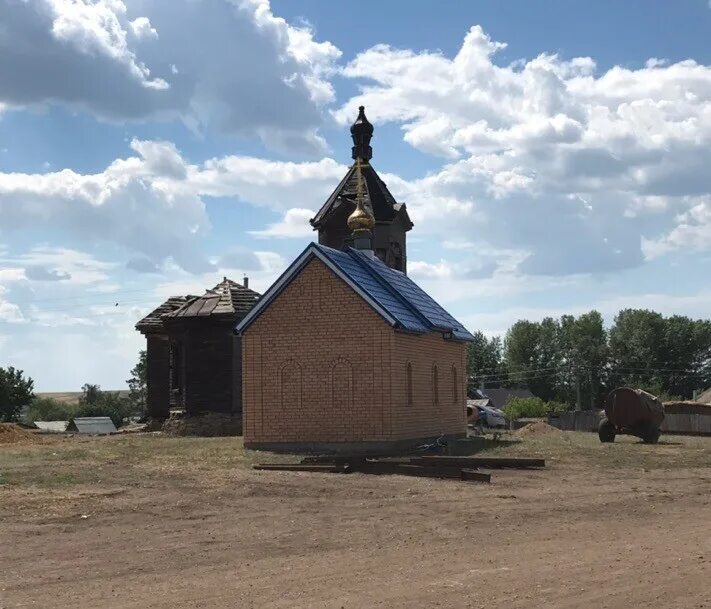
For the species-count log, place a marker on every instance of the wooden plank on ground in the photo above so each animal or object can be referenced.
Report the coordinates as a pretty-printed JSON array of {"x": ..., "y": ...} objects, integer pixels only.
[
  {"x": 301, "y": 467},
  {"x": 473, "y": 462},
  {"x": 407, "y": 469},
  {"x": 336, "y": 458}
]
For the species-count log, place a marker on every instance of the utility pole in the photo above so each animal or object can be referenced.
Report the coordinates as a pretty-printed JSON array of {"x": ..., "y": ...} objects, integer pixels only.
[
  {"x": 592, "y": 391},
  {"x": 578, "y": 400}
]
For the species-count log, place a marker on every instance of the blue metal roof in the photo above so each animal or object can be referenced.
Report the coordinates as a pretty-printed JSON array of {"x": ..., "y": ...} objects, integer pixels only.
[{"x": 392, "y": 293}]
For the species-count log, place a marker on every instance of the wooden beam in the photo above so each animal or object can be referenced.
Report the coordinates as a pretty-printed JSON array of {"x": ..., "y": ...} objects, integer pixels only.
[
  {"x": 489, "y": 462},
  {"x": 301, "y": 467}
]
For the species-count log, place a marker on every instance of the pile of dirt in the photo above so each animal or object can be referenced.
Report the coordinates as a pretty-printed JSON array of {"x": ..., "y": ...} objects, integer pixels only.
[
  {"x": 14, "y": 434},
  {"x": 206, "y": 425},
  {"x": 537, "y": 428}
]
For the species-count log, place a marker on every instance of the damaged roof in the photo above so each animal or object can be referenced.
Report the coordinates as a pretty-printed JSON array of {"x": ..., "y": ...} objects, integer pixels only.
[
  {"x": 153, "y": 322},
  {"x": 226, "y": 298}
]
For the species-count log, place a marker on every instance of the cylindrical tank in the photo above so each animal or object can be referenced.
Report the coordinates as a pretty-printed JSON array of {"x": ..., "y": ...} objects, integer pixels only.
[{"x": 632, "y": 411}]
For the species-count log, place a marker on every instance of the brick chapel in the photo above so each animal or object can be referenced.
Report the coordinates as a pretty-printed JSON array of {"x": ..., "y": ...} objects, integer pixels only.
[{"x": 344, "y": 351}]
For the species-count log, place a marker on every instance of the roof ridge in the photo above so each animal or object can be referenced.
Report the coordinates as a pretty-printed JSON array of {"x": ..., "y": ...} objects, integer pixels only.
[{"x": 360, "y": 258}]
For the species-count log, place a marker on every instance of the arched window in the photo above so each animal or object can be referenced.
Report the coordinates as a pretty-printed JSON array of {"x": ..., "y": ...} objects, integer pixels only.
[
  {"x": 410, "y": 397},
  {"x": 455, "y": 385},
  {"x": 341, "y": 384},
  {"x": 290, "y": 385},
  {"x": 435, "y": 385}
]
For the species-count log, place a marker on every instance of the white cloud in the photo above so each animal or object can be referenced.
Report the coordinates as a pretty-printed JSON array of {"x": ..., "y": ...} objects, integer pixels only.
[
  {"x": 152, "y": 204},
  {"x": 294, "y": 224},
  {"x": 547, "y": 155},
  {"x": 9, "y": 312},
  {"x": 692, "y": 231},
  {"x": 240, "y": 65}
]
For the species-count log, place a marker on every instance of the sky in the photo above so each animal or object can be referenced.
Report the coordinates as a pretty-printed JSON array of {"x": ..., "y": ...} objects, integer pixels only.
[{"x": 554, "y": 156}]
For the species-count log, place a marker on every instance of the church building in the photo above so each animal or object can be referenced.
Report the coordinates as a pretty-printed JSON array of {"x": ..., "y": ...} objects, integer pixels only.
[{"x": 344, "y": 352}]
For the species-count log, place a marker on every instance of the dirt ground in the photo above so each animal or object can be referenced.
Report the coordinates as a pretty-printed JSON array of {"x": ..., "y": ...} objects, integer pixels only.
[{"x": 147, "y": 521}]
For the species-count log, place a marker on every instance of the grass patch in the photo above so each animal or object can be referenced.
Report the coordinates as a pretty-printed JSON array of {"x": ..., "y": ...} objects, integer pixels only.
[
  {"x": 133, "y": 459},
  {"x": 573, "y": 447}
]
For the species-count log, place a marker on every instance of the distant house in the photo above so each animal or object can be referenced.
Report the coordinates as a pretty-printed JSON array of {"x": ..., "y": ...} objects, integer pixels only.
[
  {"x": 705, "y": 397},
  {"x": 499, "y": 398}
]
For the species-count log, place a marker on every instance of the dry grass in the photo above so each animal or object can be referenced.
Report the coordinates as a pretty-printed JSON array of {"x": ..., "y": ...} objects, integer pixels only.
[
  {"x": 672, "y": 452},
  {"x": 128, "y": 459}
]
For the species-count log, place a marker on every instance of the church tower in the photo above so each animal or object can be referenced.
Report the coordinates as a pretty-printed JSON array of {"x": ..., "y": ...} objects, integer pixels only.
[{"x": 362, "y": 182}]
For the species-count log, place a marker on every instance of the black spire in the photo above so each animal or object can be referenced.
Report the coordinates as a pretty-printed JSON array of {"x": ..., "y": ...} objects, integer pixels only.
[{"x": 361, "y": 132}]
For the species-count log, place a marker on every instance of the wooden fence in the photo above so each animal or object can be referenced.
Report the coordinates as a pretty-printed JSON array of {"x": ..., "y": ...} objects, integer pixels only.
[
  {"x": 588, "y": 420},
  {"x": 687, "y": 423}
]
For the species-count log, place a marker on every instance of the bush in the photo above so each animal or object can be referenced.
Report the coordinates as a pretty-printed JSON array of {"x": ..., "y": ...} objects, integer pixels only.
[
  {"x": 49, "y": 409},
  {"x": 15, "y": 393},
  {"x": 97, "y": 403},
  {"x": 531, "y": 408}
]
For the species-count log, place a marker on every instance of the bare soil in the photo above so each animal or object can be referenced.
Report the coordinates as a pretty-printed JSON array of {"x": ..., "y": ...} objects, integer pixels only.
[{"x": 141, "y": 520}]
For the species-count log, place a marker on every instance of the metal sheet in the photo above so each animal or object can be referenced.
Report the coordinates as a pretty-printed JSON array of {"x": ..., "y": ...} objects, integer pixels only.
[{"x": 92, "y": 425}]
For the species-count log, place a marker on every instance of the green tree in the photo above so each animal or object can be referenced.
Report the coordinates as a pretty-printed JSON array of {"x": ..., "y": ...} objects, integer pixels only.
[
  {"x": 636, "y": 348},
  {"x": 484, "y": 361},
  {"x": 137, "y": 385},
  {"x": 49, "y": 409},
  {"x": 584, "y": 351},
  {"x": 532, "y": 356},
  {"x": 97, "y": 403},
  {"x": 665, "y": 356},
  {"x": 16, "y": 391}
]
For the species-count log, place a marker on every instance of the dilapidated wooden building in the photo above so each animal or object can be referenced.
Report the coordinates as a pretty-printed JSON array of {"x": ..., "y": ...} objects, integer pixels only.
[{"x": 193, "y": 355}]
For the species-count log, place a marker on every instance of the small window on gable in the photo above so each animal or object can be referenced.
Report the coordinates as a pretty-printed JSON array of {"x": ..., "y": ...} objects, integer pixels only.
[
  {"x": 455, "y": 385},
  {"x": 410, "y": 397},
  {"x": 435, "y": 385}
]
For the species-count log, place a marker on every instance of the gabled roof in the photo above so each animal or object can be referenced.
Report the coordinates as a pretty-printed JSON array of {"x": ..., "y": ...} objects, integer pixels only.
[
  {"x": 153, "y": 322},
  {"x": 392, "y": 294},
  {"x": 226, "y": 298},
  {"x": 705, "y": 397},
  {"x": 383, "y": 204}
]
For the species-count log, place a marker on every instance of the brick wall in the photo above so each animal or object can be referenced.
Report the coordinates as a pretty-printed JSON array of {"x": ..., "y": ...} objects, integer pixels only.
[
  {"x": 319, "y": 365},
  {"x": 303, "y": 353},
  {"x": 417, "y": 413}
]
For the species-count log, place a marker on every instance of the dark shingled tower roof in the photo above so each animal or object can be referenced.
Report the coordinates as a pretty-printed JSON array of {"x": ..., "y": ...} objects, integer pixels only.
[{"x": 383, "y": 204}]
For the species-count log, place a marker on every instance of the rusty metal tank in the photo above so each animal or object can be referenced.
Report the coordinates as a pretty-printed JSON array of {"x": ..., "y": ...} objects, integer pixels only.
[{"x": 634, "y": 412}]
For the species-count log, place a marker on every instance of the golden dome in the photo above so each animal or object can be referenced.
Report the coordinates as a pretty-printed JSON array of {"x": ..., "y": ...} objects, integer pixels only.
[{"x": 362, "y": 218}]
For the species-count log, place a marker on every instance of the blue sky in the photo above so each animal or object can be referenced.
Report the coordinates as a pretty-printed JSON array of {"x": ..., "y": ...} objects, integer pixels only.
[{"x": 554, "y": 156}]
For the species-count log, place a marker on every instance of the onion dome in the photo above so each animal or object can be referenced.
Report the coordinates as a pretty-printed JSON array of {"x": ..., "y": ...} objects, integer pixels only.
[{"x": 361, "y": 132}]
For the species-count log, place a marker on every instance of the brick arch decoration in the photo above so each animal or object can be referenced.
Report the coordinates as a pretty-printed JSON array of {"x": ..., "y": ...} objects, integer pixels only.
[
  {"x": 435, "y": 384},
  {"x": 290, "y": 384},
  {"x": 409, "y": 381},
  {"x": 341, "y": 377}
]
